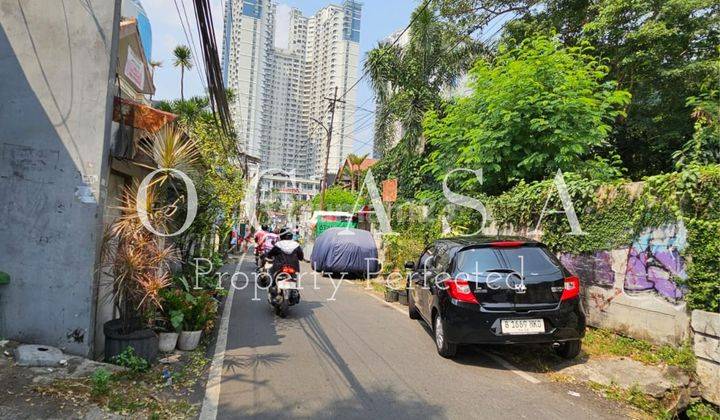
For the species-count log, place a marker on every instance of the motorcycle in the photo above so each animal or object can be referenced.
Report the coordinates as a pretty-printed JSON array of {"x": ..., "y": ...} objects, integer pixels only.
[{"x": 284, "y": 291}]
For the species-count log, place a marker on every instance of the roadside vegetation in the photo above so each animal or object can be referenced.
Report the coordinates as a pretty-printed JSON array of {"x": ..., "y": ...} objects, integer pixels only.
[
  {"x": 602, "y": 343},
  {"x": 156, "y": 392}
]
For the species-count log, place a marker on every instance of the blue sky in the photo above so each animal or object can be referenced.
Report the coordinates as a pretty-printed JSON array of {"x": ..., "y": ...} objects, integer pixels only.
[{"x": 379, "y": 19}]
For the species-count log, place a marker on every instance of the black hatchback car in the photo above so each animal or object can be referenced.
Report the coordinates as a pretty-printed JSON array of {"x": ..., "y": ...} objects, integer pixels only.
[{"x": 495, "y": 290}]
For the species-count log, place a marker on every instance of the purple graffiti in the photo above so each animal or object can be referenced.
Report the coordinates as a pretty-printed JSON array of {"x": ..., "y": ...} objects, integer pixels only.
[
  {"x": 655, "y": 271},
  {"x": 592, "y": 269},
  {"x": 654, "y": 264}
]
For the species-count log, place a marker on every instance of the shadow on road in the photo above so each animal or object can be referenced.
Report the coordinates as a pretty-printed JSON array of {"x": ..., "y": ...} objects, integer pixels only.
[{"x": 384, "y": 404}]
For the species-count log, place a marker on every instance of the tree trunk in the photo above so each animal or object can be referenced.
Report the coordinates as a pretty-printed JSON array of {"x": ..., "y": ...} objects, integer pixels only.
[{"x": 182, "y": 77}]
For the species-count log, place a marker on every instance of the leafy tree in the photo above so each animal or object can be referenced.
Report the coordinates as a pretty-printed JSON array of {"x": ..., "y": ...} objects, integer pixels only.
[
  {"x": 704, "y": 147},
  {"x": 183, "y": 59},
  {"x": 219, "y": 182},
  {"x": 661, "y": 51},
  {"x": 408, "y": 82},
  {"x": 534, "y": 109},
  {"x": 336, "y": 198}
]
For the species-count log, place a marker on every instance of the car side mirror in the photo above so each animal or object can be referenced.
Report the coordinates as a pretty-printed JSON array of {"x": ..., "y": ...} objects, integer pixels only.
[{"x": 409, "y": 265}]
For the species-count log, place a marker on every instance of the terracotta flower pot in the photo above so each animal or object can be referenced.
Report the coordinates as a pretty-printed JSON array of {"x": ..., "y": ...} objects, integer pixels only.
[
  {"x": 189, "y": 340},
  {"x": 168, "y": 341}
]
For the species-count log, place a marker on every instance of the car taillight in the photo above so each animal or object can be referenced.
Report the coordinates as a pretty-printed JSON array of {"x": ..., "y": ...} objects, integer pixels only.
[
  {"x": 460, "y": 290},
  {"x": 287, "y": 269},
  {"x": 571, "y": 289},
  {"x": 506, "y": 244}
]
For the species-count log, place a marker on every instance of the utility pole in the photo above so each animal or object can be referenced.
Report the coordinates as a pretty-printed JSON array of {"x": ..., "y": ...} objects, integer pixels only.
[{"x": 323, "y": 181}]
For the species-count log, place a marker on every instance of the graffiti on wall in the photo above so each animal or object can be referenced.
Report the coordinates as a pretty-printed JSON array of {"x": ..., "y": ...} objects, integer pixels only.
[
  {"x": 654, "y": 262},
  {"x": 595, "y": 269},
  {"x": 654, "y": 265}
]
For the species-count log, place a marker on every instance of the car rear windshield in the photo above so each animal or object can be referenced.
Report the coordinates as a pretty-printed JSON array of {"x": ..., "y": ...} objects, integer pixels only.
[{"x": 526, "y": 260}]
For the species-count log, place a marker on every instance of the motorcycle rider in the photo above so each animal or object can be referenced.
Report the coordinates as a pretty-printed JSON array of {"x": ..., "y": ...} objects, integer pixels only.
[{"x": 285, "y": 252}]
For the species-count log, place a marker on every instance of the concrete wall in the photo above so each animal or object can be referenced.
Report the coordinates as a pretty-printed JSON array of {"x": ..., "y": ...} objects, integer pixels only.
[
  {"x": 706, "y": 329},
  {"x": 634, "y": 290},
  {"x": 57, "y": 61}
]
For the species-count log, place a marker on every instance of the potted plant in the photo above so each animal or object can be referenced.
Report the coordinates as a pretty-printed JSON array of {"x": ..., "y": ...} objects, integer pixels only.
[
  {"x": 402, "y": 296},
  {"x": 391, "y": 295},
  {"x": 172, "y": 321},
  {"x": 198, "y": 315},
  {"x": 138, "y": 264}
]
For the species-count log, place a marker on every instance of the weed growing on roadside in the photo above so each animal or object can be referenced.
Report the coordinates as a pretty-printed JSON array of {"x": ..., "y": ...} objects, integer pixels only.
[
  {"x": 599, "y": 342},
  {"x": 702, "y": 411},
  {"x": 100, "y": 381},
  {"x": 634, "y": 397},
  {"x": 127, "y": 358}
]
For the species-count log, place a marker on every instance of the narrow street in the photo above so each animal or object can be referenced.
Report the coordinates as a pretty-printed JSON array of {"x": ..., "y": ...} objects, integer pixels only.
[{"x": 357, "y": 357}]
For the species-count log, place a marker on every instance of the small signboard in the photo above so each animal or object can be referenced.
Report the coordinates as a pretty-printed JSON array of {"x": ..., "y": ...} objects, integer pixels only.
[
  {"x": 134, "y": 69},
  {"x": 389, "y": 190}
]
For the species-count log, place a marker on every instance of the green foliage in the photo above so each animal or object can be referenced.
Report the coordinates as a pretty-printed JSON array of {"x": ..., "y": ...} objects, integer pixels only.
[
  {"x": 662, "y": 52},
  {"x": 602, "y": 343},
  {"x": 702, "y": 411},
  {"x": 100, "y": 382},
  {"x": 704, "y": 147},
  {"x": 534, "y": 109},
  {"x": 199, "y": 311},
  {"x": 219, "y": 182},
  {"x": 399, "y": 249},
  {"x": 337, "y": 199},
  {"x": 704, "y": 265},
  {"x": 129, "y": 359}
]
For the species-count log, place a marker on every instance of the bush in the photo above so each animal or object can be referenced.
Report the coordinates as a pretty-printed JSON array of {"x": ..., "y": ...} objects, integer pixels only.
[
  {"x": 100, "y": 381},
  {"x": 336, "y": 199},
  {"x": 702, "y": 411},
  {"x": 127, "y": 358}
]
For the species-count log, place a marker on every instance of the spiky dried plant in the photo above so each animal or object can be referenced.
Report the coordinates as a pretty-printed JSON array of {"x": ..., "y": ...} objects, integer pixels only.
[
  {"x": 136, "y": 259},
  {"x": 171, "y": 148}
]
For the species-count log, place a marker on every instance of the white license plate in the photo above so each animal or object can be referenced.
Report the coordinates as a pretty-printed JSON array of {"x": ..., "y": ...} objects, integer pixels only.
[
  {"x": 286, "y": 284},
  {"x": 523, "y": 326}
]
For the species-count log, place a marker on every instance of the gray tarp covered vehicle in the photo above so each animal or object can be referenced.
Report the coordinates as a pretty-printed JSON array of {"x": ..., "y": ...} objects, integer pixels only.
[{"x": 341, "y": 250}]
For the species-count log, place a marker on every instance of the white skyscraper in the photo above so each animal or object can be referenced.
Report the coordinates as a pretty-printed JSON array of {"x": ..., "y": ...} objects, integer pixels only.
[{"x": 282, "y": 66}]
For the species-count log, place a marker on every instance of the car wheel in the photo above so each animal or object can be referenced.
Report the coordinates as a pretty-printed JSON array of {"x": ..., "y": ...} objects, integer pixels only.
[
  {"x": 569, "y": 349},
  {"x": 412, "y": 309},
  {"x": 444, "y": 348}
]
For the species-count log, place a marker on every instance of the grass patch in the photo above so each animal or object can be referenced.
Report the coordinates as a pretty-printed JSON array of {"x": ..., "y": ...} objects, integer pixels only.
[
  {"x": 377, "y": 287},
  {"x": 603, "y": 343},
  {"x": 138, "y": 394},
  {"x": 633, "y": 397},
  {"x": 702, "y": 411}
]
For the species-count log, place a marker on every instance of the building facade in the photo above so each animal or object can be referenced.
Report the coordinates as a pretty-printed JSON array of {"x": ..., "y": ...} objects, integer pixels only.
[{"x": 282, "y": 66}]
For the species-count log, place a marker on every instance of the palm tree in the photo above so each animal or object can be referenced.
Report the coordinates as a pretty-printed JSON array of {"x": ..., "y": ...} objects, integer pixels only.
[
  {"x": 408, "y": 81},
  {"x": 354, "y": 168},
  {"x": 183, "y": 59},
  {"x": 153, "y": 65}
]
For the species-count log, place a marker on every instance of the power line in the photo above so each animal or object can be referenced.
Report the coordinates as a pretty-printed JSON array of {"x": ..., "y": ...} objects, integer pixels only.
[{"x": 191, "y": 43}]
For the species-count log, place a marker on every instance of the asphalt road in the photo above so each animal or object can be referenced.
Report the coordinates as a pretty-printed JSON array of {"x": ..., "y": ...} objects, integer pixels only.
[{"x": 356, "y": 357}]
